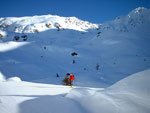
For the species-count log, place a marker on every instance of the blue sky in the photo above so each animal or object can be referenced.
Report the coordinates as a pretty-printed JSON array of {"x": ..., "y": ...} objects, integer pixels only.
[{"x": 96, "y": 11}]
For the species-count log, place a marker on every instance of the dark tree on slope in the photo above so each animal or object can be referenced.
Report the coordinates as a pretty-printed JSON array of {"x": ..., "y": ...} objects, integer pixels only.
[
  {"x": 98, "y": 34},
  {"x": 24, "y": 37},
  {"x": 16, "y": 38},
  {"x": 73, "y": 61},
  {"x": 74, "y": 54},
  {"x": 97, "y": 67}
]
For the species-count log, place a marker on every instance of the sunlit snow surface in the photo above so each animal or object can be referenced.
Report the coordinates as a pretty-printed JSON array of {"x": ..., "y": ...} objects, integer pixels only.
[{"x": 8, "y": 46}]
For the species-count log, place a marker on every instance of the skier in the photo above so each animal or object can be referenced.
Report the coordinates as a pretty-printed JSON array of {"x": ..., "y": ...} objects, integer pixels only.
[
  {"x": 66, "y": 80},
  {"x": 71, "y": 79}
]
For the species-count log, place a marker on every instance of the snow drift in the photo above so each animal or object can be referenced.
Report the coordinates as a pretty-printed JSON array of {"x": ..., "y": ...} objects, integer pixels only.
[
  {"x": 16, "y": 79},
  {"x": 137, "y": 84},
  {"x": 129, "y": 95},
  {"x": 2, "y": 77},
  {"x": 126, "y": 96}
]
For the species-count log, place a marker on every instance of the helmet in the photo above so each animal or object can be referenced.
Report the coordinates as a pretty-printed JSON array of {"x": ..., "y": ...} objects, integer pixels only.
[{"x": 68, "y": 74}]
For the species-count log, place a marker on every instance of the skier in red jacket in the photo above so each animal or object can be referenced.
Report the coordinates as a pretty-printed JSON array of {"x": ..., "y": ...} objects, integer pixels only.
[{"x": 71, "y": 79}]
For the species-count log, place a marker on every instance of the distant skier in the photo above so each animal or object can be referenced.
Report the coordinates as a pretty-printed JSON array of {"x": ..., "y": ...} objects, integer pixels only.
[{"x": 57, "y": 75}]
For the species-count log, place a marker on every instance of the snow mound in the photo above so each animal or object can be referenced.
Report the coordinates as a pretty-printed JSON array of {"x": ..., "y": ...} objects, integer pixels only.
[
  {"x": 137, "y": 83},
  {"x": 2, "y": 77},
  {"x": 17, "y": 79},
  {"x": 130, "y": 95}
]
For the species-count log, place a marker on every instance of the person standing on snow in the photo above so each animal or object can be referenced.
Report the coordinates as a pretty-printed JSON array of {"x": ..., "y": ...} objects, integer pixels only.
[{"x": 66, "y": 80}]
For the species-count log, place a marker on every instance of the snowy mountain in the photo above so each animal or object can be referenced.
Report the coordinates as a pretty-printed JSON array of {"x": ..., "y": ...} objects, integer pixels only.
[
  {"x": 37, "y": 48},
  {"x": 43, "y": 23},
  {"x": 110, "y": 61},
  {"x": 136, "y": 19}
]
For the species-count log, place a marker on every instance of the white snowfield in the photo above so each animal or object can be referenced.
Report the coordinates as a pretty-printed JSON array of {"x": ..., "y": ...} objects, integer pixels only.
[{"x": 130, "y": 95}]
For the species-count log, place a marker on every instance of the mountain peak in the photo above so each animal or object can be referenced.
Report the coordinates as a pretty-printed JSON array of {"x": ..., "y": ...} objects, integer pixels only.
[
  {"x": 139, "y": 11},
  {"x": 137, "y": 18}
]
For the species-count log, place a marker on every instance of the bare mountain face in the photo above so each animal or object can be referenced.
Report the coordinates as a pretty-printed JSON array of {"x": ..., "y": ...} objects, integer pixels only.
[{"x": 37, "y": 48}]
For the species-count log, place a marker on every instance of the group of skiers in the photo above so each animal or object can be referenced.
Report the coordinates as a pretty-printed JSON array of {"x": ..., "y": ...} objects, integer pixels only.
[{"x": 68, "y": 80}]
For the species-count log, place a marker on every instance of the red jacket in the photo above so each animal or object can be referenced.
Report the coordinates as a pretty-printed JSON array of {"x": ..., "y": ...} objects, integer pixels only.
[{"x": 71, "y": 77}]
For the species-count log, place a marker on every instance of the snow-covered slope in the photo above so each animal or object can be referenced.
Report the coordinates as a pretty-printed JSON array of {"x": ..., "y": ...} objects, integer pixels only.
[
  {"x": 36, "y": 48},
  {"x": 129, "y": 95}
]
